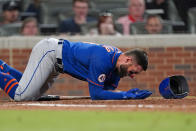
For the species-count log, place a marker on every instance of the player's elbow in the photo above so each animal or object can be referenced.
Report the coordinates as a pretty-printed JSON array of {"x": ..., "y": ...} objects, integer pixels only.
[
  {"x": 95, "y": 92},
  {"x": 95, "y": 96}
]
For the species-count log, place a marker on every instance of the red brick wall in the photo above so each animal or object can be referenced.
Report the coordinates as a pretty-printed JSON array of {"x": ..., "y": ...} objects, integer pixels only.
[{"x": 163, "y": 62}]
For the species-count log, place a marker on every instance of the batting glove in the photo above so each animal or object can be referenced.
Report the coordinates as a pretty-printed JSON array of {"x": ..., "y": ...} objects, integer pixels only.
[{"x": 135, "y": 93}]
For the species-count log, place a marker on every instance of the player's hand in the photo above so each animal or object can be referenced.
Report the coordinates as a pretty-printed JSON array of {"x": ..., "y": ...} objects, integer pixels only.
[{"x": 135, "y": 93}]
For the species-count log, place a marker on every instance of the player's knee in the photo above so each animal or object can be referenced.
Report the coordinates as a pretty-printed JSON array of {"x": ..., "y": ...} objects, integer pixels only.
[
  {"x": 18, "y": 98},
  {"x": 23, "y": 98}
]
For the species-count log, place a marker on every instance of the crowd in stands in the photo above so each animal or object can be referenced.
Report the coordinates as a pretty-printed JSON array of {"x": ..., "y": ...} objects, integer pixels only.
[{"x": 89, "y": 17}]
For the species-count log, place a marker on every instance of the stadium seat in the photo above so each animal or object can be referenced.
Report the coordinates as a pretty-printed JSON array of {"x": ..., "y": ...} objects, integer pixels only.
[
  {"x": 106, "y": 5},
  {"x": 10, "y": 29},
  {"x": 173, "y": 12},
  {"x": 192, "y": 20},
  {"x": 1, "y": 17},
  {"x": 118, "y": 12},
  {"x": 51, "y": 10},
  {"x": 85, "y": 28},
  {"x": 154, "y": 11},
  {"x": 48, "y": 29},
  {"x": 119, "y": 28},
  {"x": 25, "y": 4}
]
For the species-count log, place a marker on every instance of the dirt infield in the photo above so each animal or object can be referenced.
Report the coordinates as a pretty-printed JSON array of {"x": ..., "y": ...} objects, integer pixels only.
[{"x": 150, "y": 104}]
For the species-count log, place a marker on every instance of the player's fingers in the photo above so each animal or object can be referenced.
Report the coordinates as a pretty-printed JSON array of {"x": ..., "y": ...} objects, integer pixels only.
[
  {"x": 143, "y": 94},
  {"x": 134, "y": 90}
]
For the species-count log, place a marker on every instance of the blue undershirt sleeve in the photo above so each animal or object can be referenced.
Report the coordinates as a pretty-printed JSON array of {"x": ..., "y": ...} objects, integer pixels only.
[{"x": 98, "y": 93}]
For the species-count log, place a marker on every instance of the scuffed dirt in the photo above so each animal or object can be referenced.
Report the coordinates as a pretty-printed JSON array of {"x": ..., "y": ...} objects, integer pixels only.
[{"x": 150, "y": 104}]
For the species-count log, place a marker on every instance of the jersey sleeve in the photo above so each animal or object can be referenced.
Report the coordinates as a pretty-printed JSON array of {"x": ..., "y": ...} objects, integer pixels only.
[
  {"x": 98, "y": 93},
  {"x": 112, "y": 84},
  {"x": 99, "y": 68}
]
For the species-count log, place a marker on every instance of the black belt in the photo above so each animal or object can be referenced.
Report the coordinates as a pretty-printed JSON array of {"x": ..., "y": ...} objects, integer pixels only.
[
  {"x": 59, "y": 61},
  {"x": 59, "y": 64},
  {"x": 61, "y": 41}
]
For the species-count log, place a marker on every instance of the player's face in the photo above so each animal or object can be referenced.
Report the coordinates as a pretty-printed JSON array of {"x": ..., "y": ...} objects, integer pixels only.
[
  {"x": 133, "y": 70},
  {"x": 129, "y": 70}
]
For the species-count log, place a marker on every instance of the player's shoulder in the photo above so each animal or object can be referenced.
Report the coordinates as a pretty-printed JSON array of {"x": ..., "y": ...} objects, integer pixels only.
[
  {"x": 101, "y": 50},
  {"x": 106, "y": 49}
]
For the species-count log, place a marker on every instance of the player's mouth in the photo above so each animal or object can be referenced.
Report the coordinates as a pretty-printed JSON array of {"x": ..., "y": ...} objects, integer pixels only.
[{"x": 132, "y": 74}]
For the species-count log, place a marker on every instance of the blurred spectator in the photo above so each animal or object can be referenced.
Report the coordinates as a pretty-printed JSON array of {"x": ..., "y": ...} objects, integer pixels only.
[
  {"x": 153, "y": 24},
  {"x": 10, "y": 12},
  {"x": 30, "y": 27},
  {"x": 35, "y": 7},
  {"x": 73, "y": 25},
  {"x": 105, "y": 25},
  {"x": 136, "y": 13},
  {"x": 159, "y": 4}
]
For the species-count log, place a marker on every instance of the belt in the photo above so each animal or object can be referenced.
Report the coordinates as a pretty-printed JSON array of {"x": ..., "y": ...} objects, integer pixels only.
[
  {"x": 59, "y": 64},
  {"x": 59, "y": 49}
]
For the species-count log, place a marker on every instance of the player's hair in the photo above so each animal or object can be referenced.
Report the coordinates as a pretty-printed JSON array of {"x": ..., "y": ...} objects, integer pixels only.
[
  {"x": 85, "y": 1},
  {"x": 140, "y": 57}
]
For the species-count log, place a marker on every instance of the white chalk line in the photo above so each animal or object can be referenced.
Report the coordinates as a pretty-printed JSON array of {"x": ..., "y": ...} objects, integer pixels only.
[{"x": 149, "y": 106}]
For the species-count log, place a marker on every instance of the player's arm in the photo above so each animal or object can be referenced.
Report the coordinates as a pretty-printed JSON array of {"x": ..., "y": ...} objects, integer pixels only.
[
  {"x": 99, "y": 90},
  {"x": 98, "y": 93},
  {"x": 100, "y": 67},
  {"x": 115, "y": 90},
  {"x": 98, "y": 71}
]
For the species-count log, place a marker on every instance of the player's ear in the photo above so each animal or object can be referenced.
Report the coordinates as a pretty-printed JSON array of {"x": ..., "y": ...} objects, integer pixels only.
[{"x": 128, "y": 59}]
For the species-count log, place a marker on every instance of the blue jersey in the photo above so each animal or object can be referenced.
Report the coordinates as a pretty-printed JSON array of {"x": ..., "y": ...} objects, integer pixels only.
[{"x": 94, "y": 63}]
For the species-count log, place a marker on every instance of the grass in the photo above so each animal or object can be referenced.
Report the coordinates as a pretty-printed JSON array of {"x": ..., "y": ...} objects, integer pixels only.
[{"x": 15, "y": 120}]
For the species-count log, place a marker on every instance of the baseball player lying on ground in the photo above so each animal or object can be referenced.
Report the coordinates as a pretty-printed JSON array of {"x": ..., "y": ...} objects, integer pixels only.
[{"x": 101, "y": 66}]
